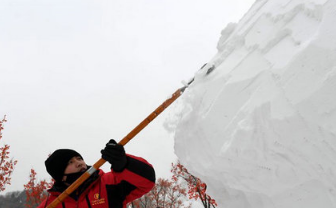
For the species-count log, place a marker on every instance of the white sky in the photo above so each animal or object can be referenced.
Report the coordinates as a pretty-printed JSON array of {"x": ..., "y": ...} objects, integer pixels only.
[{"x": 74, "y": 74}]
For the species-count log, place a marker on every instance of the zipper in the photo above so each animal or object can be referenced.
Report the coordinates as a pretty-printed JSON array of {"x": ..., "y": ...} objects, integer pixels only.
[{"x": 88, "y": 201}]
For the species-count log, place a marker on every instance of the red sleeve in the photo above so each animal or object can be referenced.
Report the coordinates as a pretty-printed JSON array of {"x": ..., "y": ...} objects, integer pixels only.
[
  {"x": 140, "y": 174},
  {"x": 43, "y": 204},
  {"x": 47, "y": 201}
]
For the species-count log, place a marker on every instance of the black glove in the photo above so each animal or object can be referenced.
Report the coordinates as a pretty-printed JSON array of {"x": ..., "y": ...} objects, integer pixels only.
[{"x": 115, "y": 154}]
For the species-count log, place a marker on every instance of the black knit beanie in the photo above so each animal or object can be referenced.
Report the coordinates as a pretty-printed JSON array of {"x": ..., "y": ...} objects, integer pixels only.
[{"x": 58, "y": 161}]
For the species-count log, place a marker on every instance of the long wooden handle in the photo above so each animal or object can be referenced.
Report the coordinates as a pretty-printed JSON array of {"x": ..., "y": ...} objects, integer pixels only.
[{"x": 123, "y": 142}]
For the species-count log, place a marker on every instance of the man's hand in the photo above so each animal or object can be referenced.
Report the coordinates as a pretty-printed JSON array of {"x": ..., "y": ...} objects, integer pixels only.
[{"x": 115, "y": 154}]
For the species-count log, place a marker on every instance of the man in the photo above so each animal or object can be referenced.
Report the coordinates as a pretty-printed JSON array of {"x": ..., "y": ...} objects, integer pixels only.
[{"x": 130, "y": 178}]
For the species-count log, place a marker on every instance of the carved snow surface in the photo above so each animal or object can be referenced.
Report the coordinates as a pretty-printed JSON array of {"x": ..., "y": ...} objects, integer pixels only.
[{"x": 260, "y": 130}]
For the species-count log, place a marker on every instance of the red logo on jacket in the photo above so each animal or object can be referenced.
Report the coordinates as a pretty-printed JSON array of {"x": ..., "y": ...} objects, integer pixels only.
[{"x": 97, "y": 200}]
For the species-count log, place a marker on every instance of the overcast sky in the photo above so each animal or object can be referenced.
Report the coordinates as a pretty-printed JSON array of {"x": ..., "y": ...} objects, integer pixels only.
[{"x": 75, "y": 73}]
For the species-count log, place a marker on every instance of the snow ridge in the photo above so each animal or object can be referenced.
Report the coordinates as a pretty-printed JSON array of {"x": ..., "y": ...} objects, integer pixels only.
[{"x": 260, "y": 129}]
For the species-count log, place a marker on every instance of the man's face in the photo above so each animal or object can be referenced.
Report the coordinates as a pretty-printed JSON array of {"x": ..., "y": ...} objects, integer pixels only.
[{"x": 75, "y": 164}]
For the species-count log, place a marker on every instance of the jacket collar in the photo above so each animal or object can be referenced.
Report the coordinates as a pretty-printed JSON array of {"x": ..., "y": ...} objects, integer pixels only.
[{"x": 59, "y": 187}]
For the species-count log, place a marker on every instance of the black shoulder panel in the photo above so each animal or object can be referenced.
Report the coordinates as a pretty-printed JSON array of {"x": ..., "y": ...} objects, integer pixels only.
[
  {"x": 141, "y": 168},
  {"x": 116, "y": 194}
]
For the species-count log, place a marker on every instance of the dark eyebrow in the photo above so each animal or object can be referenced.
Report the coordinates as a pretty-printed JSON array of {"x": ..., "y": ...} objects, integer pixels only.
[{"x": 77, "y": 157}]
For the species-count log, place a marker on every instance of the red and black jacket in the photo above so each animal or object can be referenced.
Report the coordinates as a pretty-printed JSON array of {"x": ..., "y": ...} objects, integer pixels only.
[{"x": 109, "y": 190}]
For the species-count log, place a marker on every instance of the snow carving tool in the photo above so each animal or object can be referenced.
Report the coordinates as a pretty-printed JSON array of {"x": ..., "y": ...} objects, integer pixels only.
[{"x": 125, "y": 140}]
